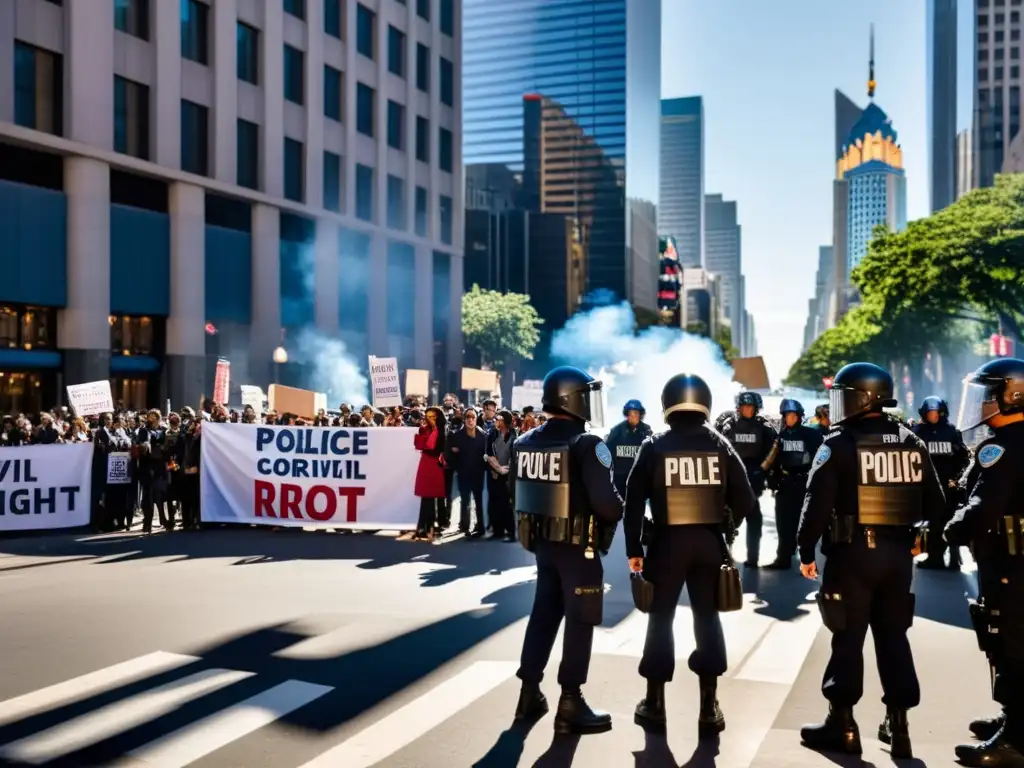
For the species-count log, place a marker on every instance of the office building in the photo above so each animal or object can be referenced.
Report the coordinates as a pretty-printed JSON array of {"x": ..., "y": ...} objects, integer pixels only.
[
  {"x": 846, "y": 113},
  {"x": 941, "y": 68},
  {"x": 818, "y": 304},
  {"x": 681, "y": 203},
  {"x": 749, "y": 335},
  {"x": 997, "y": 85},
  {"x": 722, "y": 257},
  {"x": 185, "y": 180},
  {"x": 547, "y": 87},
  {"x": 701, "y": 302}
]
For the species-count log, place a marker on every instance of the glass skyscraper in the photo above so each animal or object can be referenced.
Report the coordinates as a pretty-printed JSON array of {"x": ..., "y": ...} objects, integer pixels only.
[{"x": 561, "y": 123}]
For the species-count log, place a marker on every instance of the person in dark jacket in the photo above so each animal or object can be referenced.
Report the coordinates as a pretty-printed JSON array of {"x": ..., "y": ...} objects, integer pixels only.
[
  {"x": 498, "y": 458},
  {"x": 624, "y": 442},
  {"x": 467, "y": 447},
  {"x": 429, "y": 441}
]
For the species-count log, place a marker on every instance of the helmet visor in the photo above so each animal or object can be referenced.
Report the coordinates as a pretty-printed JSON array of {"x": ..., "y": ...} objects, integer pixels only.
[
  {"x": 977, "y": 405},
  {"x": 837, "y": 406},
  {"x": 595, "y": 406}
]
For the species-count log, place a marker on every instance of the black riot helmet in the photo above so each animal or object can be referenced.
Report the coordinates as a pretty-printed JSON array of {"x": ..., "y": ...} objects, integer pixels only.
[
  {"x": 749, "y": 398},
  {"x": 857, "y": 389},
  {"x": 995, "y": 388},
  {"x": 789, "y": 405},
  {"x": 686, "y": 393},
  {"x": 933, "y": 403},
  {"x": 569, "y": 391}
]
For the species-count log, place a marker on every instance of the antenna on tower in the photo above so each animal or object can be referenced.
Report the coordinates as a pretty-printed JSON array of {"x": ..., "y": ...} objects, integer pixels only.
[{"x": 871, "y": 66}]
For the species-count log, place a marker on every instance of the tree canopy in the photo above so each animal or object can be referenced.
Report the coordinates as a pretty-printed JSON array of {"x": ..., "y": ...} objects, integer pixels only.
[
  {"x": 916, "y": 284},
  {"x": 501, "y": 325}
]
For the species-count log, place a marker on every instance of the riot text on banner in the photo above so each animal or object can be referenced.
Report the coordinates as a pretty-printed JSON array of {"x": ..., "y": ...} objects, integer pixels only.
[
  {"x": 326, "y": 477},
  {"x": 45, "y": 486}
]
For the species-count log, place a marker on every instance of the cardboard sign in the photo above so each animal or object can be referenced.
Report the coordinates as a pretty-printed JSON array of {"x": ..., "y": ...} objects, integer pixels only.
[
  {"x": 417, "y": 382},
  {"x": 91, "y": 399},
  {"x": 301, "y": 402},
  {"x": 750, "y": 372},
  {"x": 475, "y": 379},
  {"x": 384, "y": 382}
]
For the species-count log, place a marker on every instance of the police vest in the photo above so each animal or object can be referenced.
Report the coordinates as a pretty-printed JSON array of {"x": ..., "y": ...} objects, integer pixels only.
[
  {"x": 793, "y": 453},
  {"x": 542, "y": 479},
  {"x": 693, "y": 484},
  {"x": 746, "y": 436},
  {"x": 890, "y": 480}
]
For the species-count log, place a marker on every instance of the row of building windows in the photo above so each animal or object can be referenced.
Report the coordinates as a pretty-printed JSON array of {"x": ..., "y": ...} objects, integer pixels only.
[
  {"x": 998, "y": 54},
  {"x": 332, "y": 14},
  {"x": 998, "y": 36},
  {"x": 999, "y": 18},
  {"x": 998, "y": 73},
  {"x": 997, "y": 3}
]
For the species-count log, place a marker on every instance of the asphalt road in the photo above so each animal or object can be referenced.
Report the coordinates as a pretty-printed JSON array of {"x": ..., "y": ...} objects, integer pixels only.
[{"x": 286, "y": 649}]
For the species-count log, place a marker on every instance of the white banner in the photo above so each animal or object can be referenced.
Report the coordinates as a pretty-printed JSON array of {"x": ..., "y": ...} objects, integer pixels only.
[
  {"x": 119, "y": 468},
  {"x": 384, "y": 382},
  {"x": 91, "y": 399},
  {"x": 309, "y": 476},
  {"x": 45, "y": 486}
]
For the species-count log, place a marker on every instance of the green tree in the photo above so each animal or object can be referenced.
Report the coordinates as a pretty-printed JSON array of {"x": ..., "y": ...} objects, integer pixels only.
[
  {"x": 724, "y": 340},
  {"x": 503, "y": 326},
  {"x": 855, "y": 336}
]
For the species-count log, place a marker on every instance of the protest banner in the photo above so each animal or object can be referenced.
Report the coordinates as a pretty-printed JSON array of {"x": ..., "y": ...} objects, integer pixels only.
[
  {"x": 326, "y": 477},
  {"x": 119, "y": 468},
  {"x": 91, "y": 398},
  {"x": 45, "y": 486},
  {"x": 384, "y": 382}
]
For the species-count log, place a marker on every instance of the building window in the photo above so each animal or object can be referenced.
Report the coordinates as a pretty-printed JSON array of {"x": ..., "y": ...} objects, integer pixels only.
[
  {"x": 998, "y": 73},
  {"x": 332, "y": 182},
  {"x": 982, "y": 37},
  {"x": 296, "y": 8},
  {"x": 422, "y": 139},
  {"x": 132, "y": 17},
  {"x": 293, "y": 75},
  {"x": 447, "y": 18},
  {"x": 131, "y": 118},
  {"x": 293, "y": 167},
  {"x": 364, "y": 192},
  {"x": 28, "y": 328},
  {"x": 999, "y": 35},
  {"x": 1015, "y": 17},
  {"x": 364, "y": 109},
  {"x": 248, "y": 154},
  {"x": 423, "y": 9},
  {"x": 194, "y": 29},
  {"x": 422, "y": 67},
  {"x": 396, "y": 202},
  {"x": 38, "y": 89},
  {"x": 444, "y": 149},
  {"x": 396, "y": 52},
  {"x": 332, "y": 18},
  {"x": 982, "y": 20},
  {"x": 1014, "y": 34},
  {"x": 1000, "y": 53},
  {"x": 194, "y": 138},
  {"x": 396, "y": 125},
  {"x": 983, "y": 75},
  {"x": 1015, "y": 53},
  {"x": 447, "y": 83},
  {"x": 444, "y": 210},
  {"x": 1000, "y": 18},
  {"x": 421, "y": 211},
  {"x": 131, "y": 335},
  {"x": 332, "y": 93},
  {"x": 1014, "y": 72},
  {"x": 365, "y": 23},
  {"x": 248, "y": 40}
]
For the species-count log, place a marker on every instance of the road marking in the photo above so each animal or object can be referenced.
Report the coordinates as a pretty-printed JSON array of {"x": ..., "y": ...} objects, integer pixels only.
[
  {"x": 199, "y": 739},
  {"x": 404, "y": 726},
  {"x": 782, "y": 652},
  {"x": 90, "y": 684},
  {"x": 118, "y": 717}
]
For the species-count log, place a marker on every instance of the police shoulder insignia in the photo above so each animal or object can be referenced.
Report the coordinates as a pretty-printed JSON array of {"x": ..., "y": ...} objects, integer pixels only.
[
  {"x": 603, "y": 454},
  {"x": 990, "y": 454},
  {"x": 823, "y": 454}
]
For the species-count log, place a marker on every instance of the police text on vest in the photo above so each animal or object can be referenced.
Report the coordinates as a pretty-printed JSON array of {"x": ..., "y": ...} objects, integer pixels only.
[
  {"x": 878, "y": 467},
  {"x": 546, "y": 467},
  {"x": 692, "y": 470}
]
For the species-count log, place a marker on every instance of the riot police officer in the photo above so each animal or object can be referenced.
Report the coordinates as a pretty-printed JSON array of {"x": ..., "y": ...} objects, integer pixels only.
[
  {"x": 689, "y": 473},
  {"x": 870, "y": 484},
  {"x": 950, "y": 457},
  {"x": 788, "y": 477},
  {"x": 990, "y": 523},
  {"x": 562, "y": 487},
  {"x": 624, "y": 441},
  {"x": 754, "y": 441}
]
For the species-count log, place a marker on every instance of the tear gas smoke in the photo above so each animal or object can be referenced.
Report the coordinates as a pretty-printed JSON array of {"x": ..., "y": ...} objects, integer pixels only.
[
  {"x": 636, "y": 366},
  {"x": 331, "y": 369}
]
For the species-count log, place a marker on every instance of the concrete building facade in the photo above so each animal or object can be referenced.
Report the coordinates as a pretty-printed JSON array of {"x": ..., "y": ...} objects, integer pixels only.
[
  {"x": 941, "y": 68},
  {"x": 681, "y": 203},
  {"x": 723, "y": 257},
  {"x": 997, "y": 108}
]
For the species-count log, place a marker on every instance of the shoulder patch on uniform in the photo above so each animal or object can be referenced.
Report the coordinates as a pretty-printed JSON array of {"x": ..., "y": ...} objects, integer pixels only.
[
  {"x": 990, "y": 454},
  {"x": 603, "y": 454},
  {"x": 823, "y": 454}
]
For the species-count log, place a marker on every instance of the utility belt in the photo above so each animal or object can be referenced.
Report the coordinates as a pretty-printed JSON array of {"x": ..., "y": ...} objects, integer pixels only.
[
  {"x": 795, "y": 474},
  {"x": 582, "y": 530},
  {"x": 844, "y": 529},
  {"x": 1010, "y": 532},
  {"x": 985, "y": 621}
]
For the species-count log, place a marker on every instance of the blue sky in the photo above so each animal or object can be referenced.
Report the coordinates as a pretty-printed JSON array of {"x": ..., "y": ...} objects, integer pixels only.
[{"x": 767, "y": 72}]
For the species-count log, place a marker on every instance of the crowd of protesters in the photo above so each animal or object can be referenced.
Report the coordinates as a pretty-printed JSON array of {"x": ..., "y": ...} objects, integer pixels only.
[{"x": 465, "y": 453}]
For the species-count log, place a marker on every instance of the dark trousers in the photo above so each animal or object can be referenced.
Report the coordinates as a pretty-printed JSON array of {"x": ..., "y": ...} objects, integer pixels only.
[
  {"x": 753, "y": 524},
  {"x": 118, "y": 505},
  {"x": 430, "y": 515},
  {"x": 189, "y": 499},
  {"x": 678, "y": 555},
  {"x": 446, "y": 513},
  {"x": 471, "y": 487},
  {"x": 1007, "y": 656},
  {"x": 153, "y": 494},
  {"x": 937, "y": 544},
  {"x": 875, "y": 588},
  {"x": 499, "y": 506},
  {"x": 789, "y": 502},
  {"x": 569, "y": 586}
]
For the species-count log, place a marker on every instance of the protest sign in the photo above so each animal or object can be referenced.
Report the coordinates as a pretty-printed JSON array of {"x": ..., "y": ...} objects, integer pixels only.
[
  {"x": 119, "y": 468},
  {"x": 387, "y": 392},
  {"x": 91, "y": 398},
  {"x": 45, "y": 486}
]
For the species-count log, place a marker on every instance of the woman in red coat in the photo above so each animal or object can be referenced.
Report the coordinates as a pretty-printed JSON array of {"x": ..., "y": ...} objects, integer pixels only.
[{"x": 430, "y": 473}]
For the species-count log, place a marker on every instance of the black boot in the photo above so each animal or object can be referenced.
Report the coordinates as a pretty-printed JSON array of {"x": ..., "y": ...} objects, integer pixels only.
[
  {"x": 997, "y": 752},
  {"x": 984, "y": 728},
  {"x": 532, "y": 703},
  {"x": 574, "y": 715},
  {"x": 895, "y": 731},
  {"x": 651, "y": 709},
  {"x": 780, "y": 564},
  {"x": 710, "y": 720},
  {"x": 839, "y": 733}
]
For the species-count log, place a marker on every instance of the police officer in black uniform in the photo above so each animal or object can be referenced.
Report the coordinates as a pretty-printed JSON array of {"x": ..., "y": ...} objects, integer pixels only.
[
  {"x": 990, "y": 523},
  {"x": 753, "y": 437},
  {"x": 561, "y": 481},
  {"x": 689, "y": 473},
  {"x": 870, "y": 484},
  {"x": 950, "y": 457},
  {"x": 788, "y": 478},
  {"x": 624, "y": 441}
]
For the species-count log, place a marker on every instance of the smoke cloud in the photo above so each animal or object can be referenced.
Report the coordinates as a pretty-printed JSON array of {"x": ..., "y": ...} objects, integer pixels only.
[
  {"x": 329, "y": 367},
  {"x": 636, "y": 366}
]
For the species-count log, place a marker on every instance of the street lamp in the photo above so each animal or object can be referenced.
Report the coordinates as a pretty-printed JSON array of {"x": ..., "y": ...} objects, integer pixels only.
[{"x": 280, "y": 358}]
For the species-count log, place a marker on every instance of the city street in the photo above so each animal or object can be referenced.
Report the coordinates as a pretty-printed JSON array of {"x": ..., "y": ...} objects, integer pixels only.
[{"x": 251, "y": 648}]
